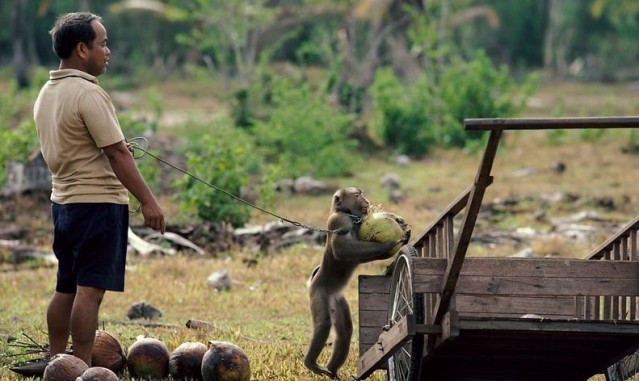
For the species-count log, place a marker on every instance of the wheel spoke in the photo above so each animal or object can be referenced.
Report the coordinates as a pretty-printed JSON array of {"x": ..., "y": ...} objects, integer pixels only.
[{"x": 401, "y": 305}]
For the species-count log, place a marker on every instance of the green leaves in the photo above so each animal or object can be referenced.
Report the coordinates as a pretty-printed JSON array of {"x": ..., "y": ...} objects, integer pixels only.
[
  {"x": 226, "y": 159},
  {"x": 304, "y": 134}
]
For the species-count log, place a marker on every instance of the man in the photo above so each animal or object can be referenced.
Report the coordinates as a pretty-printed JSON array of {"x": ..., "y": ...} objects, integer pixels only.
[{"x": 92, "y": 172}]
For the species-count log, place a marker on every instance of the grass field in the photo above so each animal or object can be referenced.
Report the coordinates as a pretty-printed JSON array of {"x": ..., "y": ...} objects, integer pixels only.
[{"x": 266, "y": 311}]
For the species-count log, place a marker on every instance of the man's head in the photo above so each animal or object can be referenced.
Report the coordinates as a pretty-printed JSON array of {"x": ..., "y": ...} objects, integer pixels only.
[{"x": 81, "y": 40}]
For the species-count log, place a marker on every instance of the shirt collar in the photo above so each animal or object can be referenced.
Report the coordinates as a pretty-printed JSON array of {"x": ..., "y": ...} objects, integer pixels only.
[{"x": 64, "y": 73}]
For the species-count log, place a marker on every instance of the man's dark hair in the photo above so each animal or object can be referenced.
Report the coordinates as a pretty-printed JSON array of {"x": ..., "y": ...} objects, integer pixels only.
[{"x": 71, "y": 29}]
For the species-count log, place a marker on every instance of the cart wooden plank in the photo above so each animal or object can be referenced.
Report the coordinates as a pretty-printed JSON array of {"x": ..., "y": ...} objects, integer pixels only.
[
  {"x": 485, "y": 124},
  {"x": 534, "y": 277},
  {"x": 389, "y": 341}
]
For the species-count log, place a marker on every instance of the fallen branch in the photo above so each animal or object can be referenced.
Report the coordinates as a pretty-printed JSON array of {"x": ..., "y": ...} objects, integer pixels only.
[
  {"x": 146, "y": 248},
  {"x": 146, "y": 324}
]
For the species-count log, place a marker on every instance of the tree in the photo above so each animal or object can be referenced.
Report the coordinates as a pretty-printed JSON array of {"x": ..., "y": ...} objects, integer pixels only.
[
  {"x": 231, "y": 35},
  {"x": 559, "y": 35},
  {"x": 19, "y": 58}
]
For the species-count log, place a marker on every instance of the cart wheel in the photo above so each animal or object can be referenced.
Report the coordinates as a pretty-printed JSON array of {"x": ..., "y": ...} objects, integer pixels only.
[{"x": 405, "y": 363}]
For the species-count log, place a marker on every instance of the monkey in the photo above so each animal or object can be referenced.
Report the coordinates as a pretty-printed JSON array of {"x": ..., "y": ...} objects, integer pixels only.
[{"x": 342, "y": 254}]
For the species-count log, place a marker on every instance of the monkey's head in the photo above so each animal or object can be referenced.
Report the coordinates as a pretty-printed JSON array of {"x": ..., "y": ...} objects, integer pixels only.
[{"x": 350, "y": 200}]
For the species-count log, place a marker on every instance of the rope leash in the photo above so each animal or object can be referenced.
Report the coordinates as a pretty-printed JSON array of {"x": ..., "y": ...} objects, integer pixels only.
[{"x": 134, "y": 143}]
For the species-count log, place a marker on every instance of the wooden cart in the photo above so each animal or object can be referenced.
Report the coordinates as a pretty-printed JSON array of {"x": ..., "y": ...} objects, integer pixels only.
[{"x": 437, "y": 315}]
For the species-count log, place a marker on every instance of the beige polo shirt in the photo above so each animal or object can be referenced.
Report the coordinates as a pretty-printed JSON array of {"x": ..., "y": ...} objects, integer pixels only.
[{"x": 75, "y": 118}]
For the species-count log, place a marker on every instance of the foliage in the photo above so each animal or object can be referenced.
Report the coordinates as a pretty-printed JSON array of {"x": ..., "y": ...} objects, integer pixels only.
[
  {"x": 476, "y": 89},
  {"x": 317, "y": 44},
  {"x": 404, "y": 116},
  {"x": 167, "y": 35},
  {"x": 225, "y": 158},
  {"x": 519, "y": 38},
  {"x": 304, "y": 134},
  {"x": 225, "y": 33},
  {"x": 18, "y": 135},
  {"x": 412, "y": 117},
  {"x": 16, "y": 144}
]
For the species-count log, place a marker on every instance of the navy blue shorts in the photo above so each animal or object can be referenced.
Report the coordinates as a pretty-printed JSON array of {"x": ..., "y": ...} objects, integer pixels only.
[{"x": 90, "y": 241}]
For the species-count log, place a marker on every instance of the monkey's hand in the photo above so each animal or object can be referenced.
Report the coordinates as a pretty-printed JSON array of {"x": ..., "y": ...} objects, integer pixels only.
[{"x": 406, "y": 237}]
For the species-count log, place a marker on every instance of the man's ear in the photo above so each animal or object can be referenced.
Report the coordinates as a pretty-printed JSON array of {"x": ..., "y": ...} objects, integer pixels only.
[{"x": 82, "y": 49}]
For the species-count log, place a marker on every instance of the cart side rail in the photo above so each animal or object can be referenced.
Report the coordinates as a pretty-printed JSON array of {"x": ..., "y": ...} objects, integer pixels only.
[
  {"x": 438, "y": 237},
  {"x": 621, "y": 246},
  {"x": 491, "y": 124},
  {"x": 551, "y": 288}
]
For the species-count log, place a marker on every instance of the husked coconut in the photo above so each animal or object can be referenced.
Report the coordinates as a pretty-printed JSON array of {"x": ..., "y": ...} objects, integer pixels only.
[
  {"x": 185, "y": 362},
  {"x": 225, "y": 361},
  {"x": 108, "y": 352},
  {"x": 64, "y": 367},
  {"x": 383, "y": 227},
  {"x": 98, "y": 373},
  {"x": 148, "y": 358}
]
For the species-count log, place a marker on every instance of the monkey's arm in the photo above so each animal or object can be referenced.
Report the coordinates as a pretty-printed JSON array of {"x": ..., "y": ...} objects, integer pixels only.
[{"x": 347, "y": 247}]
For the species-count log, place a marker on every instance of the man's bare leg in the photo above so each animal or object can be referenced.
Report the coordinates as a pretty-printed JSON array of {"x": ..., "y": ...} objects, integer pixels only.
[
  {"x": 84, "y": 321},
  {"x": 58, "y": 321}
]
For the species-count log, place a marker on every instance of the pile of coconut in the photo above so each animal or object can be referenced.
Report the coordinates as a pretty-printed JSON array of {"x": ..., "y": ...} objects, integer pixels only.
[{"x": 149, "y": 358}]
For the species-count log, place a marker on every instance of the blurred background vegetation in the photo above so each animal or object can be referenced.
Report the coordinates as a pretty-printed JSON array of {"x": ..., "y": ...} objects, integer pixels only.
[{"x": 296, "y": 88}]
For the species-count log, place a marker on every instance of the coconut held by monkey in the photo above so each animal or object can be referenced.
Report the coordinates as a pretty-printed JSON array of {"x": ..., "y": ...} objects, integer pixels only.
[{"x": 383, "y": 227}]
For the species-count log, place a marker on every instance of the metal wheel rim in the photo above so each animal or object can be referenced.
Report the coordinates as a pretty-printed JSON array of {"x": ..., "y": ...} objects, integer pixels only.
[{"x": 399, "y": 363}]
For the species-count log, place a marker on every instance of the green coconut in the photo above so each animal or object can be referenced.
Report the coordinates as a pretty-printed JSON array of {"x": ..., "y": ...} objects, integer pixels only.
[
  {"x": 148, "y": 358},
  {"x": 383, "y": 227},
  {"x": 225, "y": 361}
]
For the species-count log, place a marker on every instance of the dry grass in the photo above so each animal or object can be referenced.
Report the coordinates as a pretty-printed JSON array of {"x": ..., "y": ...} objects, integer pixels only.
[{"x": 266, "y": 312}]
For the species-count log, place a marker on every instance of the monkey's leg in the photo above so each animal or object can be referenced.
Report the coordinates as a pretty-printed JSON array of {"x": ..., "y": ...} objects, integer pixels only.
[
  {"x": 320, "y": 311},
  {"x": 343, "y": 325}
]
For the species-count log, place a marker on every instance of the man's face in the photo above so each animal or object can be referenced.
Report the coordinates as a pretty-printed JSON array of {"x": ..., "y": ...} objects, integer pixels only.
[{"x": 99, "y": 54}]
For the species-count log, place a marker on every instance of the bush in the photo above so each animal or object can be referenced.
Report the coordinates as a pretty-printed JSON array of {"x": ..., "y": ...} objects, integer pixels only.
[
  {"x": 411, "y": 118},
  {"x": 476, "y": 89},
  {"x": 18, "y": 135},
  {"x": 403, "y": 117},
  {"x": 16, "y": 144},
  {"x": 304, "y": 135},
  {"x": 226, "y": 159}
]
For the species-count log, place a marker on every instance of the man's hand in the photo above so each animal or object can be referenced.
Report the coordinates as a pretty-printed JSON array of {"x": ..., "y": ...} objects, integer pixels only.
[
  {"x": 123, "y": 165},
  {"x": 153, "y": 216}
]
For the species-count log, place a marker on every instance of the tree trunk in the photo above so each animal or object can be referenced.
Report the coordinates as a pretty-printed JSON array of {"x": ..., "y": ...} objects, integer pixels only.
[
  {"x": 19, "y": 58},
  {"x": 552, "y": 33}
]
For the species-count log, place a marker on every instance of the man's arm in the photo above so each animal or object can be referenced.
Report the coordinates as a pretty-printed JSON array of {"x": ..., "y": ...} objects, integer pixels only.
[{"x": 123, "y": 165}]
